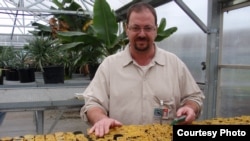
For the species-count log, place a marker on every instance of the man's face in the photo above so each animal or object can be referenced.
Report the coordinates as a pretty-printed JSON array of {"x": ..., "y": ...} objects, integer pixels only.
[{"x": 141, "y": 30}]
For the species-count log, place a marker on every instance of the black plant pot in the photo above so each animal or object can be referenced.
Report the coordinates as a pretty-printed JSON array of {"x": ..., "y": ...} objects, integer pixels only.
[
  {"x": 1, "y": 79},
  {"x": 92, "y": 70},
  {"x": 53, "y": 74},
  {"x": 26, "y": 75},
  {"x": 3, "y": 72},
  {"x": 11, "y": 75}
]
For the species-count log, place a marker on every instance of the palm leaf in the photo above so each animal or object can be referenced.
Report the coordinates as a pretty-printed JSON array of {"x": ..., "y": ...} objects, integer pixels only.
[
  {"x": 104, "y": 22},
  {"x": 163, "y": 33}
]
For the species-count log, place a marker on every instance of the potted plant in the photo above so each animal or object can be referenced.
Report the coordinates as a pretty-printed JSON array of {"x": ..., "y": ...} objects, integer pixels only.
[
  {"x": 2, "y": 58},
  {"x": 99, "y": 39},
  {"x": 47, "y": 58},
  {"x": 64, "y": 22},
  {"x": 1, "y": 77},
  {"x": 26, "y": 72},
  {"x": 8, "y": 62},
  {"x": 103, "y": 37}
]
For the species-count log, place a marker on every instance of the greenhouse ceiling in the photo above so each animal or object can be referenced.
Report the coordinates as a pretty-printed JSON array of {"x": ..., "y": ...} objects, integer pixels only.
[{"x": 17, "y": 16}]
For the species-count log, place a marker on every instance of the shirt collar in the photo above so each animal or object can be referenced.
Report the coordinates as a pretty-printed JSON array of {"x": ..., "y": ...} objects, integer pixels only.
[
  {"x": 159, "y": 56},
  {"x": 127, "y": 57}
]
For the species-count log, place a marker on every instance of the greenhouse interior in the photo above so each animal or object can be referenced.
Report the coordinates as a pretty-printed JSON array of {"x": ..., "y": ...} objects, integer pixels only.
[{"x": 211, "y": 38}]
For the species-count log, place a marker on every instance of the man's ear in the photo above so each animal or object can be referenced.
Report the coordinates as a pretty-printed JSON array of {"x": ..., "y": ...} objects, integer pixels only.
[{"x": 126, "y": 28}]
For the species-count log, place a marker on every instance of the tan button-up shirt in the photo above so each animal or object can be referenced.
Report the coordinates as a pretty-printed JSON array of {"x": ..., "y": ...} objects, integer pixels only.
[{"x": 131, "y": 94}]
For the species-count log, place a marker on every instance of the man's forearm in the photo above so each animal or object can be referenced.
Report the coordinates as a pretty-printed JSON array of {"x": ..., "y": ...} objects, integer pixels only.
[{"x": 95, "y": 114}]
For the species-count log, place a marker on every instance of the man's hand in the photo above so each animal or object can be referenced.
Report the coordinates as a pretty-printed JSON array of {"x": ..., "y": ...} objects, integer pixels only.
[
  {"x": 102, "y": 126},
  {"x": 189, "y": 112}
]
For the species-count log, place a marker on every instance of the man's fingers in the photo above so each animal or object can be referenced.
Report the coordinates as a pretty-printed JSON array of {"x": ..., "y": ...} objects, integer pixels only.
[
  {"x": 102, "y": 127},
  {"x": 117, "y": 123},
  {"x": 100, "y": 130},
  {"x": 91, "y": 130},
  {"x": 106, "y": 129}
]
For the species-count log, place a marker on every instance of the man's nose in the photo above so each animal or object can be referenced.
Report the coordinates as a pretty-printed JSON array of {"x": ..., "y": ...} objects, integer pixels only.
[{"x": 142, "y": 32}]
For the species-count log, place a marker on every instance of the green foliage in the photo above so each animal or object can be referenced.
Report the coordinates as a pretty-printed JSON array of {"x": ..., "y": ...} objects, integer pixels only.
[
  {"x": 91, "y": 42},
  {"x": 22, "y": 59},
  {"x": 71, "y": 22},
  {"x": 163, "y": 33},
  {"x": 41, "y": 30},
  {"x": 104, "y": 23},
  {"x": 7, "y": 57},
  {"x": 1, "y": 56},
  {"x": 13, "y": 58},
  {"x": 101, "y": 39},
  {"x": 75, "y": 22},
  {"x": 44, "y": 51}
]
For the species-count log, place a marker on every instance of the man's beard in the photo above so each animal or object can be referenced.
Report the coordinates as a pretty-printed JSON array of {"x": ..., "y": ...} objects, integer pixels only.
[{"x": 141, "y": 49}]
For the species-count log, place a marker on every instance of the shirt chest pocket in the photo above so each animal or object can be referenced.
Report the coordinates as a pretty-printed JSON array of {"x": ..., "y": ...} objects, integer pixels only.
[{"x": 163, "y": 102}]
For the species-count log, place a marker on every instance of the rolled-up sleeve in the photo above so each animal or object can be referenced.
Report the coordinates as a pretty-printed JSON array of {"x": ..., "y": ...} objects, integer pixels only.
[
  {"x": 95, "y": 95},
  {"x": 190, "y": 91}
]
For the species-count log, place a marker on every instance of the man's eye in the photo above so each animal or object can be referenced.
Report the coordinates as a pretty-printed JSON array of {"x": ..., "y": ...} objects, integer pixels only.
[
  {"x": 136, "y": 28},
  {"x": 147, "y": 28}
]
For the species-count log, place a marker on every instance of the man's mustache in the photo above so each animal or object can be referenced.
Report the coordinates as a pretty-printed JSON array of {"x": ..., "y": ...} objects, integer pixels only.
[{"x": 141, "y": 39}]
